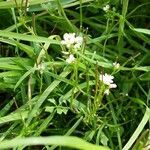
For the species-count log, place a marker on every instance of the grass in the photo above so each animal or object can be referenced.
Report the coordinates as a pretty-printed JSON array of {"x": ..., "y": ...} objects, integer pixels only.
[{"x": 49, "y": 100}]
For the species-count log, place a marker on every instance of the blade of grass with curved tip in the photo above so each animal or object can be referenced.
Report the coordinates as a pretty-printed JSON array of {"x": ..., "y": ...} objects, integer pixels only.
[
  {"x": 45, "y": 124},
  {"x": 14, "y": 116},
  {"x": 145, "y": 31},
  {"x": 102, "y": 64},
  {"x": 6, "y": 108},
  {"x": 67, "y": 141},
  {"x": 24, "y": 76},
  {"x": 8, "y": 131},
  {"x": 59, "y": 78},
  {"x": 138, "y": 130},
  {"x": 32, "y": 38},
  {"x": 12, "y": 3},
  {"x": 27, "y": 49},
  {"x": 7, "y": 63}
]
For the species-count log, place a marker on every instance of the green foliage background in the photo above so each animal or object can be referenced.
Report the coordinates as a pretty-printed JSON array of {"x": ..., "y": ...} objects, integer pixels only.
[{"x": 60, "y": 99}]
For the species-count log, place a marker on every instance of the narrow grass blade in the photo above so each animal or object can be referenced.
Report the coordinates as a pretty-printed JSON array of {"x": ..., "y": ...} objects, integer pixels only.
[
  {"x": 6, "y": 108},
  {"x": 11, "y": 3},
  {"x": 24, "y": 76},
  {"x": 145, "y": 31},
  {"x": 68, "y": 141},
  {"x": 32, "y": 38},
  {"x": 14, "y": 116},
  {"x": 46, "y": 122},
  {"x": 138, "y": 130},
  {"x": 4, "y": 135}
]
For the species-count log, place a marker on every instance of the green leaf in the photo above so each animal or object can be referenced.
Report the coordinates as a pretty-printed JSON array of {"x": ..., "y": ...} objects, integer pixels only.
[
  {"x": 59, "y": 110},
  {"x": 65, "y": 110},
  {"x": 141, "y": 68},
  {"x": 104, "y": 139},
  {"x": 10, "y": 74},
  {"x": 101, "y": 64},
  {"x": 145, "y": 31},
  {"x": 7, "y": 66},
  {"x": 19, "y": 115},
  {"x": 89, "y": 135},
  {"x": 45, "y": 124},
  {"x": 6, "y": 108},
  {"x": 138, "y": 130},
  {"x": 32, "y": 38},
  {"x": 12, "y": 63},
  {"x": 27, "y": 49},
  {"x": 52, "y": 100},
  {"x": 145, "y": 76},
  {"x": 24, "y": 76},
  {"x": 139, "y": 101},
  {"x": 49, "y": 109},
  {"x": 9, "y": 131},
  {"x": 12, "y": 3},
  {"x": 67, "y": 141}
]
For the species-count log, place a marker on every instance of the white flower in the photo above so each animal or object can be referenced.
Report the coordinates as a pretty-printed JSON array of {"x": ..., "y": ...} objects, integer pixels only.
[
  {"x": 112, "y": 86},
  {"x": 108, "y": 80},
  {"x": 27, "y": 9},
  {"x": 106, "y": 8},
  {"x": 77, "y": 46},
  {"x": 79, "y": 40},
  {"x": 70, "y": 40},
  {"x": 116, "y": 65},
  {"x": 70, "y": 59}
]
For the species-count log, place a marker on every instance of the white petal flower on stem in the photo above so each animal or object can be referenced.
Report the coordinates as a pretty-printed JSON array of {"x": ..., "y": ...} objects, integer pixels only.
[
  {"x": 71, "y": 40},
  {"x": 77, "y": 46},
  {"x": 112, "y": 86},
  {"x": 108, "y": 80},
  {"x": 70, "y": 59},
  {"x": 69, "y": 37},
  {"x": 79, "y": 40},
  {"x": 116, "y": 65},
  {"x": 106, "y": 8}
]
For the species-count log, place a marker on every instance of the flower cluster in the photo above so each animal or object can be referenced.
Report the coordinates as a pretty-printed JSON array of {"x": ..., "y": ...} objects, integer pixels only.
[
  {"x": 107, "y": 80},
  {"x": 73, "y": 43}
]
